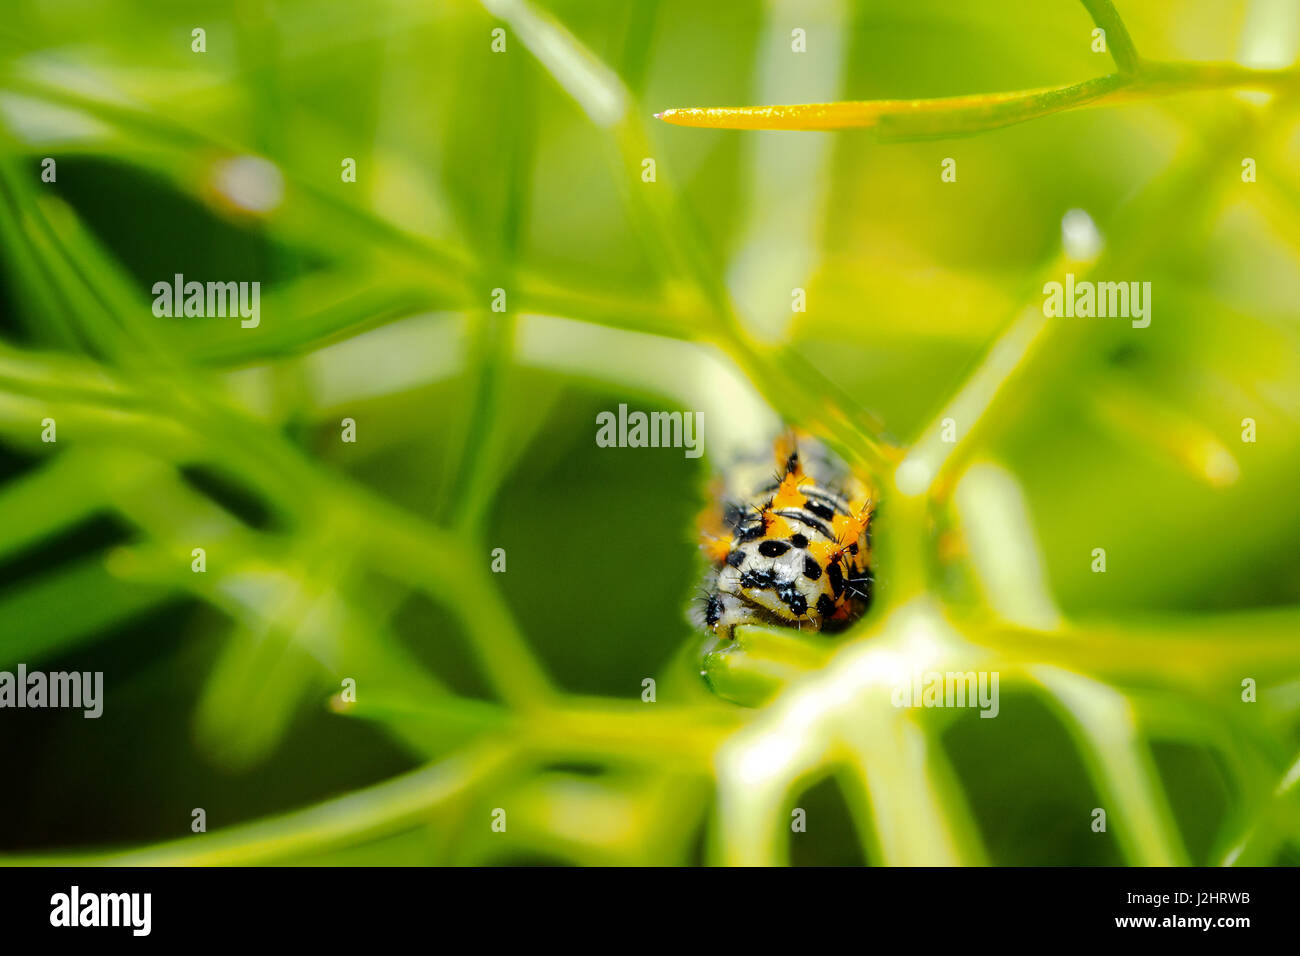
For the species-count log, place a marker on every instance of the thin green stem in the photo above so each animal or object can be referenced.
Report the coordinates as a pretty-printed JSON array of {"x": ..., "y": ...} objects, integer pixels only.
[
  {"x": 1118, "y": 41},
  {"x": 950, "y": 116},
  {"x": 398, "y": 804}
]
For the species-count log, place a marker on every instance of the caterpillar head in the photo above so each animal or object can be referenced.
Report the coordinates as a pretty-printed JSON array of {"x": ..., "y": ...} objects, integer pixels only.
[{"x": 772, "y": 583}]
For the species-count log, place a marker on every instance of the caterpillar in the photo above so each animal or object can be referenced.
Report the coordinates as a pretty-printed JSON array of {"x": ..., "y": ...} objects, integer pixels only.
[{"x": 790, "y": 547}]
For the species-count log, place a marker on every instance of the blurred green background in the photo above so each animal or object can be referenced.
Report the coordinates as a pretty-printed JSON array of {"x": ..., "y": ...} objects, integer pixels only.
[{"x": 522, "y": 170}]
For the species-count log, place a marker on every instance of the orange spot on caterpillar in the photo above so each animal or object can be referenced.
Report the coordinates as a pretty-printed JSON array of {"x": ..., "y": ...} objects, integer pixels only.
[
  {"x": 716, "y": 548},
  {"x": 825, "y": 552},
  {"x": 849, "y": 528},
  {"x": 788, "y": 494},
  {"x": 778, "y": 527}
]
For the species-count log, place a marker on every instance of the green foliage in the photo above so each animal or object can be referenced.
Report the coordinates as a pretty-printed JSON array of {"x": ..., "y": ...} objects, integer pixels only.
[{"x": 522, "y": 690}]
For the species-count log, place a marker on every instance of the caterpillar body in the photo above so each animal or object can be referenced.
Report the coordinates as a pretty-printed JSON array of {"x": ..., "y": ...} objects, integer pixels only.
[{"x": 788, "y": 547}]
